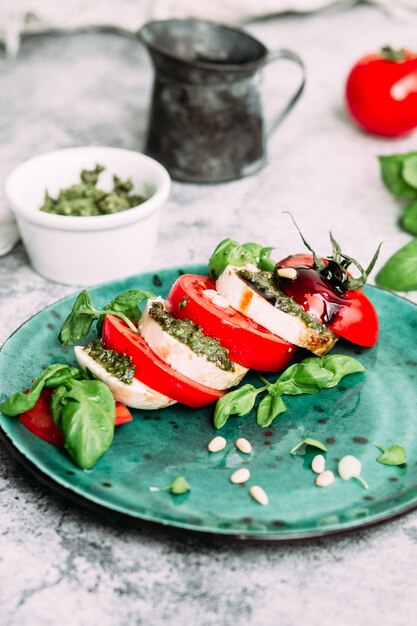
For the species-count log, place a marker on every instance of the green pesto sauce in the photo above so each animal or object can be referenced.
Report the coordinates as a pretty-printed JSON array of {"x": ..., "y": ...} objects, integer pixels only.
[
  {"x": 192, "y": 336},
  {"x": 118, "y": 365},
  {"x": 85, "y": 199},
  {"x": 263, "y": 282}
]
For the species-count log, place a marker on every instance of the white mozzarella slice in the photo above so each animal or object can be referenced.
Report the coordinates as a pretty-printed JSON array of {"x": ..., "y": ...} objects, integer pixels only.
[
  {"x": 182, "y": 359},
  {"x": 136, "y": 395},
  {"x": 289, "y": 327}
]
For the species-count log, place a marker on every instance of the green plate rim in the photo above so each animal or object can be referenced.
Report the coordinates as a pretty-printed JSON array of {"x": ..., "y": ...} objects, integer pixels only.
[{"x": 130, "y": 519}]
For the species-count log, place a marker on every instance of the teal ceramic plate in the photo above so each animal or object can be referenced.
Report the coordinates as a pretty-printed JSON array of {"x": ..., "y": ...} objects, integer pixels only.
[{"x": 379, "y": 406}]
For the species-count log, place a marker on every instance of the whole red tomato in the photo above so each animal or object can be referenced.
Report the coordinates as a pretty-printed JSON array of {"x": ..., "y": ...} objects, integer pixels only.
[{"x": 381, "y": 92}]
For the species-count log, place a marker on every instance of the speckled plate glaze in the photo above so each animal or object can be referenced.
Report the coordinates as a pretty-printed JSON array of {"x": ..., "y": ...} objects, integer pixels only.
[{"x": 379, "y": 406}]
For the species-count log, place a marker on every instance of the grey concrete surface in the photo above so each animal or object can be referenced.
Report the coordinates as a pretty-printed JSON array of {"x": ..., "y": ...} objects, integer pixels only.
[{"x": 61, "y": 565}]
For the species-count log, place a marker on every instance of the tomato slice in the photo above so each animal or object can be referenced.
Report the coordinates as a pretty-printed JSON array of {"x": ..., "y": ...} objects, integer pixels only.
[
  {"x": 123, "y": 415},
  {"x": 40, "y": 422},
  {"x": 151, "y": 370},
  {"x": 356, "y": 320},
  {"x": 248, "y": 343}
]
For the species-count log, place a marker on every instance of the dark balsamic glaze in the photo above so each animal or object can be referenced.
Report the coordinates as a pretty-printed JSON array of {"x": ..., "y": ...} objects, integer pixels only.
[{"x": 321, "y": 293}]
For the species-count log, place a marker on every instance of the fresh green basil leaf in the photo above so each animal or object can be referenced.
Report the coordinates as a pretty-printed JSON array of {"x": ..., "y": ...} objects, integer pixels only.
[
  {"x": 392, "y": 175},
  {"x": 269, "y": 408},
  {"x": 255, "y": 249},
  {"x": 400, "y": 271},
  {"x": 340, "y": 366},
  {"x": 237, "y": 402},
  {"x": 179, "y": 486},
  {"x": 308, "y": 376},
  {"x": 308, "y": 441},
  {"x": 394, "y": 455},
  {"x": 265, "y": 263},
  {"x": 85, "y": 412},
  {"x": 126, "y": 302},
  {"x": 228, "y": 252},
  {"x": 20, "y": 402},
  {"x": 409, "y": 218},
  {"x": 409, "y": 171},
  {"x": 79, "y": 321}
]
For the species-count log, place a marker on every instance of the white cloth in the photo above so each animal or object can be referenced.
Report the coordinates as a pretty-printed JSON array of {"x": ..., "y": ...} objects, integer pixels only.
[{"x": 21, "y": 18}]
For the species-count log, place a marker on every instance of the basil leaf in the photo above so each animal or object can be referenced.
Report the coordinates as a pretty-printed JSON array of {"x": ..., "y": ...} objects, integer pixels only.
[
  {"x": 309, "y": 442},
  {"x": 180, "y": 485},
  {"x": 85, "y": 412},
  {"x": 409, "y": 218},
  {"x": 269, "y": 408},
  {"x": 392, "y": 175},
  {"x": 308, "y": 376},
  {"x": 400, "y": 271},
  {"x": 394, "y": 455},
  {"x": 52, "y": 376},
  {"x": 237, "y": 402},
  {"x": 79, "y": 321},
  {"x": 340, "y": 365},
  {"x": 265, "y": 262},
  {"x": 126, "y": 302},
  {"x": 409, "y": 171},
  {"x": 228, "y": 252}
]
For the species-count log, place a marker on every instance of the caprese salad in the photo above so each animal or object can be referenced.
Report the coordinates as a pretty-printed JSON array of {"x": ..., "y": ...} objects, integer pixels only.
[{"x": 248, "y": 313}]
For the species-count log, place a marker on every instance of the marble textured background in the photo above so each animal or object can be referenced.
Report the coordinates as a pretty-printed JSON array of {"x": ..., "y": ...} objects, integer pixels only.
[{"x": 60, "y": 564}]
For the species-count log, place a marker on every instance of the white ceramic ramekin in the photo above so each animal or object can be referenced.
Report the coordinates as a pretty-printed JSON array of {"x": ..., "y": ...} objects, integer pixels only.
[{"x": 87, "y": 250}]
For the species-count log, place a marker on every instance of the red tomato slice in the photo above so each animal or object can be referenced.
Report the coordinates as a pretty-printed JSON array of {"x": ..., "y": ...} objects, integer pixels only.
[
  {"x": 40, "y": 422},
  {"x": 248, "y": 343},
  {"x": 123, "y": 415},
  {"x": 151, "y": 370},
  {"x": 356, "y": 321}
]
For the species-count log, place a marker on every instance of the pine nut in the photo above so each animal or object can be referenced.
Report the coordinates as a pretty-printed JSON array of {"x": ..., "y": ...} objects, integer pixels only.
[
  {"x": 259, "y": 495},
  {"x": 243, "y": 445},
  {"x": 325, "y": 479},
  {"x": 287, "y": 272},
  {"x": 318, "y": 464},
  {"x": 220, "y": 301},
  {"x": 217, "y": 444},
  {"x": 210, "y": 293},
  {"x": 240, "y": 476}
]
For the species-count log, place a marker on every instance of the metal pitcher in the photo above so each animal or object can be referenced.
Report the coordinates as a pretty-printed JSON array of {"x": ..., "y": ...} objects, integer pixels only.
[{"x": 206, "y": 120}]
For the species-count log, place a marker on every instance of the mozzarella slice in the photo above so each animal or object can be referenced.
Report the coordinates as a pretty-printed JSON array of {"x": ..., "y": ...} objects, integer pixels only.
[
  {"x": 290, "y": 327},
  {"x": 136, "y": 395},
  {"x": 182, "y": 359}
]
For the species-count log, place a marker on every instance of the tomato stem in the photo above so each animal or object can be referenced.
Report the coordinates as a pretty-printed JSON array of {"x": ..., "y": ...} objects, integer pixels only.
[{"x": 392, "y": 54}]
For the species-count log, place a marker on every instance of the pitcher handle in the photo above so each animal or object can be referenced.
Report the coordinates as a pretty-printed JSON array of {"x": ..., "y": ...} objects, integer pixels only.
[{"x": 277, "y": 55}]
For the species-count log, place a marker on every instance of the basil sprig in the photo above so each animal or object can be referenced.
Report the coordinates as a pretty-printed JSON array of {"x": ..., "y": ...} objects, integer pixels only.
[
  {"x": 307, "y": 377},
  {"x": 178, "y": 486},
  {"x": 230, "y": 252},
  {"x": 83, "y": 409},
  {"x": 85, "y": 412},
  {"x": 394, "y": 455},
  {"x": 83, "y": 314},
  {"x": 53, "y": 376},
  {"x": 399, "y": 173}
]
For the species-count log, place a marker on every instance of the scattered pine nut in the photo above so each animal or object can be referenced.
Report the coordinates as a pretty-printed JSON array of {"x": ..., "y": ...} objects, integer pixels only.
[
  {"x": 318, "y": 464},
  {"x": 243, "y": 445},
  {"x": 259, "y": 495},
  {"x": 220, "y": 301},
  {"x": 287, "y": 272},
  {"x": 350, "y": 467},
  {"x": 325, "y": 479},
  {"x": 209, "y": 293},
  {"x": 241, "y": 475},
  {"x": 217, "y": 444}
]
